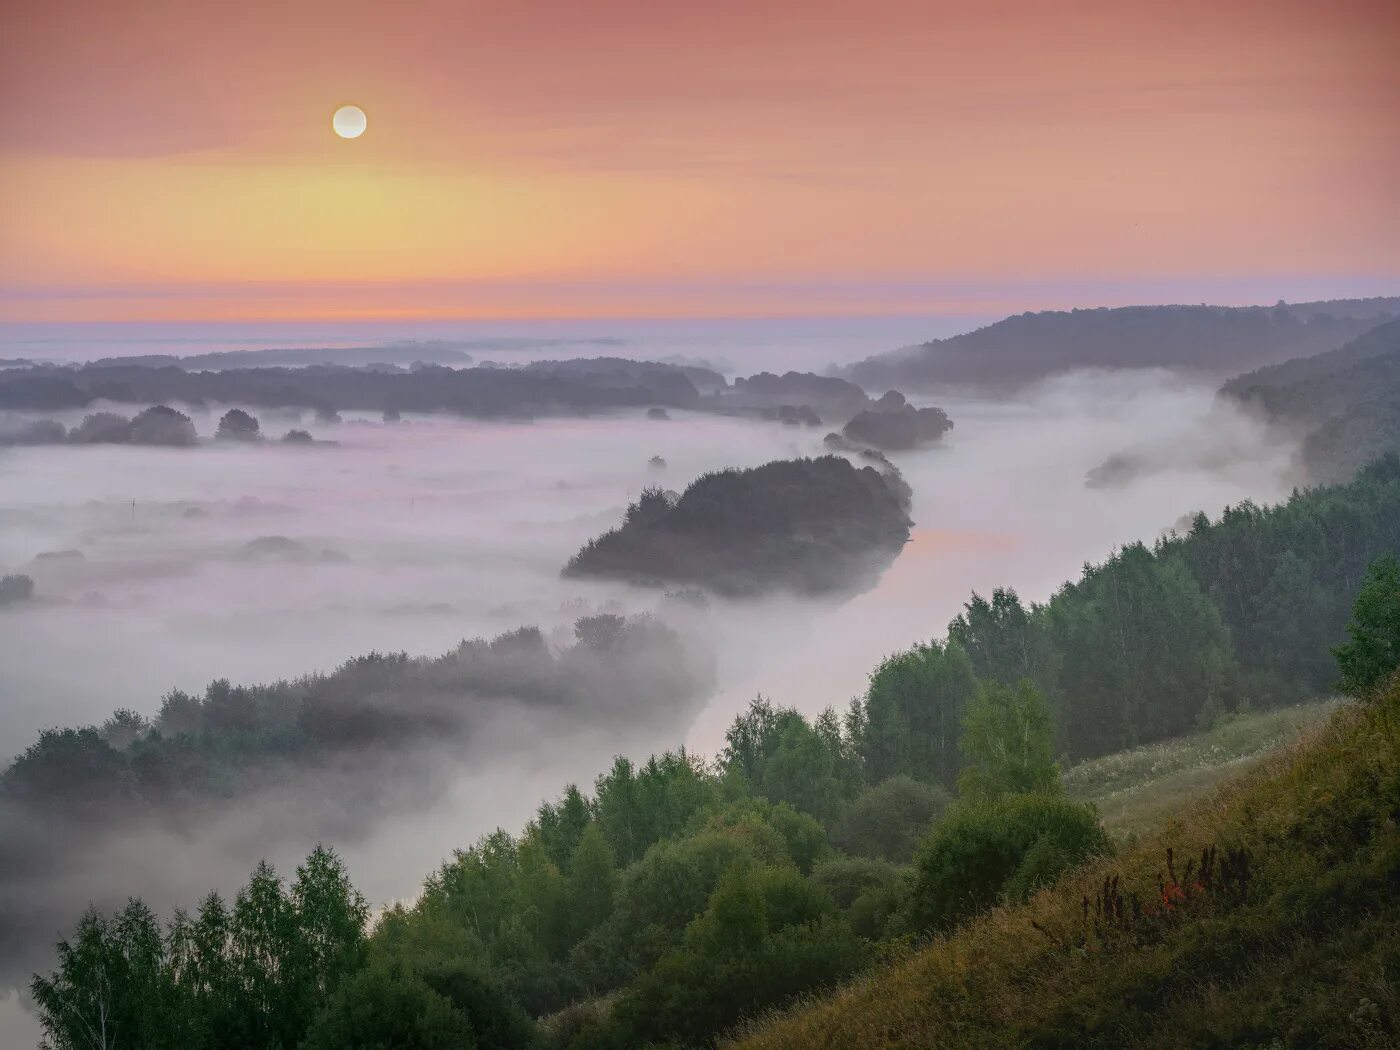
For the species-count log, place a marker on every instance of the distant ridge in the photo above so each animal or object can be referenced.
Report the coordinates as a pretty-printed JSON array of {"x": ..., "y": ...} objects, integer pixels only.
[
  {"x": 1028, "y": 347},
  {"x": 1346, "y": 401}
]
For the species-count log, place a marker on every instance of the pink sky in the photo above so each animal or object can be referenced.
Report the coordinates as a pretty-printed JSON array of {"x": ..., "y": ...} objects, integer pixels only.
[{"x": 163, "y": 160}]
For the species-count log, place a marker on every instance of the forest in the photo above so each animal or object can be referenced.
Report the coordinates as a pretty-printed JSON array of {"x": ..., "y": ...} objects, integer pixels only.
[
  {"x": 677, "y": 897},
  {"x": 808, "y": 526},
  {"x": 332, "y": 753}
]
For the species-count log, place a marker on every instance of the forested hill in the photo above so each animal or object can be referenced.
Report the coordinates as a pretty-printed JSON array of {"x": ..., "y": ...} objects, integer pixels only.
[
  {"x": 1347, "y": 401},
  {"x": 1264, "y": 917},
  {"x": 1213, "y": 339},
  {"x": 678, "y": 898}
]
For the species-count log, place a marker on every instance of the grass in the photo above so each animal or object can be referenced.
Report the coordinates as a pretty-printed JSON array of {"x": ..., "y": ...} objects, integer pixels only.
[
  {"x": 1306, "y": 955},
  {"x": 1136, "y": 791}
]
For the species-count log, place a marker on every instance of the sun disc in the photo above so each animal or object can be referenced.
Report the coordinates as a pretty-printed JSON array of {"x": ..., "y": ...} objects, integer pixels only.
[{"x": 349, "y": 122}]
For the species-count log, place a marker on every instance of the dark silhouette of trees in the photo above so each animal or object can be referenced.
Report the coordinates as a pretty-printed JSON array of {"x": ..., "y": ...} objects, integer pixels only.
[
  {"x": 812, "y": 526},
  {"x": 237, "y": 425}
]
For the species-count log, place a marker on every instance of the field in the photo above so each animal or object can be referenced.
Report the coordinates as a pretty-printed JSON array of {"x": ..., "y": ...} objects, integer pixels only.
[{"x": 1135, "y": 791}]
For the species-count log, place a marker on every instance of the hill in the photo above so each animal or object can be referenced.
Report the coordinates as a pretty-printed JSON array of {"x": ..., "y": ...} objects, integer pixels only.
[
  {"x": 811, "y": 526},
  {"x": 1215, "y": 339},
  {"x": 1287, "y": 940},
  {"x": 1346, "y": 401}
]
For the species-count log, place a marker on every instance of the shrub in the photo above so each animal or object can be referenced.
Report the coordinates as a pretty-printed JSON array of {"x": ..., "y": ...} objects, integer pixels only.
[
  {"x": 984, "y": 850},
  {"x": 1373, "y": 653},
  {"x": 887, "y": 820}
]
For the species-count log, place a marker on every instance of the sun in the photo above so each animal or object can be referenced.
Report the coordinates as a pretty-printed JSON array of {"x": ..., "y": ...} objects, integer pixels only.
[{"x": 349, "y": 122}]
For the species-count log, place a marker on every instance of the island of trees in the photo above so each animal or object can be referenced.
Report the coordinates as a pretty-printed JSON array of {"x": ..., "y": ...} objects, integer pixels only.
[{"x": 808, "y": 526}]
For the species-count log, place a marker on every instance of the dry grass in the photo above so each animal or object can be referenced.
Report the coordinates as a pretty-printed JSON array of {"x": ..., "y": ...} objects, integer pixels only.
[
  {"x": 1310, "y": 957},
  {"x": 1139, "y": 790}
]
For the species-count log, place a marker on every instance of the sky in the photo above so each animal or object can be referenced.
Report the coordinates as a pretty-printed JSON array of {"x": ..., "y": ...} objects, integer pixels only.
[{"x": 164, "y": 160}]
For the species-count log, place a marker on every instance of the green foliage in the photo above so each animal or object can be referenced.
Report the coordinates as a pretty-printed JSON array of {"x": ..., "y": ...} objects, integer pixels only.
[
  {"x": 1006, "y": 741},
  {"x": 638, "y": 806},
  {"x": 984, "y": 850},
  {"x": 1136, "y": 637},
  {"x": 1373, "y": 652},
  {"x": 910, "y": 719},
  {"x": 888, "y": 819},
  {"x": 113, "y": 986},
  {"x": 784, "y": 758},
  {"x": 1005, "y": 641},
  {"x": 384, "y": 1009},
  {"x": 766, "y": 936},
  {"x": 251, "y": 976},
  {"x": 870, "y": 891}
]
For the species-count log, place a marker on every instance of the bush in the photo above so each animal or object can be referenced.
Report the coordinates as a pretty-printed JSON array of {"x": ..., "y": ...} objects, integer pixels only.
[
  {"x": 767, "y": 936},
  {"x": 869, "y": 890},
  {"x": 984, "y": 850},
  {"x": 887, "y": 820},
  {"x": 387, "y": 1007},
  {"x": 1373, "y": 653}
]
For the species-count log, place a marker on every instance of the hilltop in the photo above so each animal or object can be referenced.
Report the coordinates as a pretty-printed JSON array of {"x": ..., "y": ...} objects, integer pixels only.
[{"x": 1216, "y": 339}]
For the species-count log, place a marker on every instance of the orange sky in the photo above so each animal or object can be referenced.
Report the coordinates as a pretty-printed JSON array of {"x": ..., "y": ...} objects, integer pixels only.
[{"x": 164, "y": 159}]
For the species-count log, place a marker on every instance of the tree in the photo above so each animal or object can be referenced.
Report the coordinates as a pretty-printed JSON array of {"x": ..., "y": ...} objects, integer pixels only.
[
  {"x": 1372, "y": 654},
  {"x": 102, "y": 428},
  {"x": 912, "y": 712},
  {"x": 162, "y": 425},
  {"x": 560, "y": 825},
  {"x": 252, "y": 976},
  {"x": 111, "y": 988},
  {"x": 237, "y": 425},
  {"x": 1006, "y": 741},
  {"x": 591, "y": 881},
  {"x": 784, "y": 758},
  {"x": 1142, "y": 648},
  {"x": 889, "y": 819},
  {"x": 382, "y": 1008},
  {"x": 1003, "y": 639},
  {"x": 15, "y": 588}
]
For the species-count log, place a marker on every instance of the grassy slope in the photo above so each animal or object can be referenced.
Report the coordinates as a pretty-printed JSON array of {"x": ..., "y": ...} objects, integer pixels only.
[
  {"x": 1136, "y": 791},
  {"x": 1308, "y": 957}
]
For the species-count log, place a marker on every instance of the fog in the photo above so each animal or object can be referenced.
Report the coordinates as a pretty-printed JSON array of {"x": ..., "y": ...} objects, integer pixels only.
[{"x": 442, "y": 529}]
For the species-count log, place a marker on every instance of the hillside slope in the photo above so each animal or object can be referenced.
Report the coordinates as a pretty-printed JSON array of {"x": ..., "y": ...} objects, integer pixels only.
[
  {"x": 1217, "y": 339},
  {"x": 1347, "y": 402},
  {"x": 1289, "y": 941}
]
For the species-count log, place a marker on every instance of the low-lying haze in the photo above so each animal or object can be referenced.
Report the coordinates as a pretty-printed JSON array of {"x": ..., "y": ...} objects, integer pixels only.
[{"x": 440, "y": 529}]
